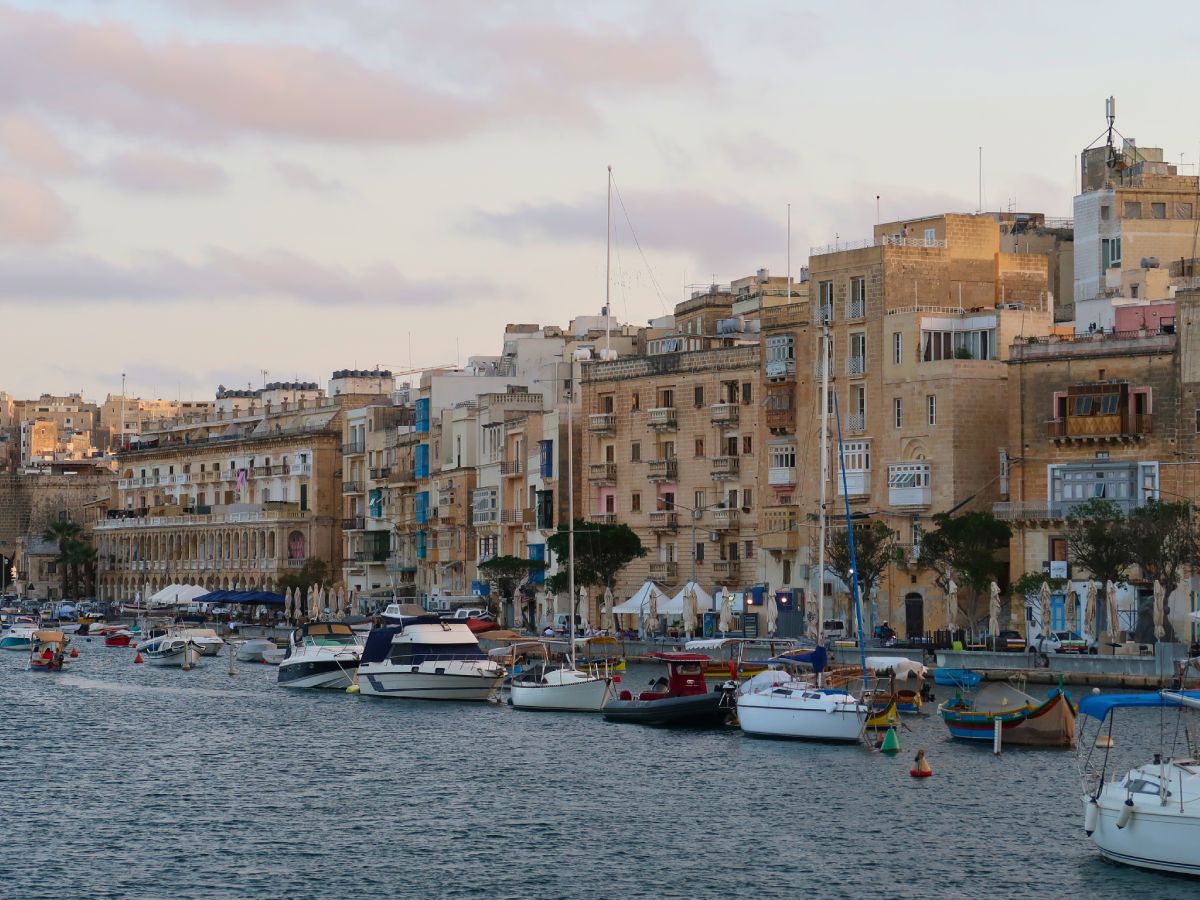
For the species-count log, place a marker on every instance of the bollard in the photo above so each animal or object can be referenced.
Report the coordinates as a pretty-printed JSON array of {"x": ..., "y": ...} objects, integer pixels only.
[{"x": 996, "y": 738}]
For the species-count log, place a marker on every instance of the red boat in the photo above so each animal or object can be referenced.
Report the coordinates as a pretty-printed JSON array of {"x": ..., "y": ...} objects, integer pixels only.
[
  {"x": 118, "y": 639},
  {"x": 480, "y": 624}
]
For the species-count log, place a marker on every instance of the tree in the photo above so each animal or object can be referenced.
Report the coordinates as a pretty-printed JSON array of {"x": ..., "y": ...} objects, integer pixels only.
[
  {"x": 508, "y": 574},
  {"x": 1162, "y": 540},
  {"x": 314, "y": 573},
  {"x": 60, "y": 531},
  {"x": 874, "y": 548},
  {"x": 1098, "y": 540},
  {"x": 601, "y": 552},
  {"x": 967, "y": 547}
]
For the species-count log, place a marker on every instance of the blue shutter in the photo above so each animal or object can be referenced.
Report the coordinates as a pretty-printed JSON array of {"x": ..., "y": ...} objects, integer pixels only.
[
  {"x": 421, "y": 461},
  {"x": 538, "y": 552},
  {"x": 422, "y": 416},
  {"x": 420, "y": 545},
  {"x": 546, "y": 449},
  {"x": 422, "y": 507}
]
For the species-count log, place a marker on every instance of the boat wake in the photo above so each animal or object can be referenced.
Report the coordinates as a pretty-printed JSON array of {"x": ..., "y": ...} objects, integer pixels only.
[{"x": 127, "y": 688}]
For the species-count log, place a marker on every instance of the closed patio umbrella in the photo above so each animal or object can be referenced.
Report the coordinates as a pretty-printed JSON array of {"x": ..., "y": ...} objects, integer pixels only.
[
  {"x": 690, "y": 616},
  {"x": 1089, "y": 610},
  {"x": 1045, "y": 598},
  {"x": 1114, "y": 616},
  {"x": 951, "y": 604},
  {"x": 994, "y": 610},
  {"x": 582, "y": 610},
  {"x": 609, "y": 619},
  {"x": 540, "y": 602},
  {"x": 772, "y": 614},
  {"x": 288, "y": 605},
  {"x": 1070, "y": 609},
  {"x": 726, "y": 622},
  {"x": 1160, "y": 596},
  {"x": 652, "y": 613}
]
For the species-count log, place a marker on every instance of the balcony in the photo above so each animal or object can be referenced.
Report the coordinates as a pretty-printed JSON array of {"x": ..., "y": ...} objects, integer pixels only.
[
  {"x": 401, "y": 475},
  {"x": 663, "y": 469},
  {"x": 301, "y": 469},
  {"x": 662, "y": 418},
  {"x": 354, "y": 523},
  {"x": 511, "y": 467},
  {"x": 858, "y": 483},
  {"x": 724, "y": 518},
  {"x": 664, "y": 571},
  {"x": 296, "y": 562},
  {"x": 1124, "y": 427},
  {"x": 399, "y": 562},
  {"x": 381, "y": 474},
  {"x": 725, "y": 569},
  {"x": 781, "y": 476},
  {"x": 352, "y": 487},
  {"x": 1029, "y": 512},
  {"x": 724, "y": 413},
  {"x": 602, "y": 423},
  {"x": 909, "y": 484},
  {"x": 663, "y": 520},
  {"x": 725, "y": 467},
  {"x": 780, "y": 369},
  {"x": 351, "y": 448},
  {"x": 1088, "y": 344},
  {"x": 856, "y": 423},
  {"x": 780, "y": 531},
  {"x": 513, "y": 516},
  {"x": 856, "y": 365},
  {"x": 780, "y": 416},
  {"x": 602, "y": 473},
  {"x": 603, "y": 518},
  {"x": 856, "y": 308}
]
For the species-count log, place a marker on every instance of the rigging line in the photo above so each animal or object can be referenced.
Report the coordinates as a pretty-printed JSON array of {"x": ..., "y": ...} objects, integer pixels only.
[
  {"x": 620, "y": 277},
  {"x": 653, "y": 279}
]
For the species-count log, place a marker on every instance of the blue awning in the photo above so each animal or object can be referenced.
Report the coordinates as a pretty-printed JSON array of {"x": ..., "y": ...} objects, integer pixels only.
[
  {"x": 1100, "y": 705},
  {"x": 266, "y": 598},
  {"x": 817, "y": 658}
]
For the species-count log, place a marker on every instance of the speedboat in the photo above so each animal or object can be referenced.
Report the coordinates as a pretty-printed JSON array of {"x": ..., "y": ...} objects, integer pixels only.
[
  {"x": 19, "y": 636},
  {"x": 780, "y": 703},
  {"x": 1148, "y": 816},
  {"x": 680, "y": 698},
  {"x": 48, "y": 651},
  {"x": 320, "y": 655},
  {"x": 205, "y": 639},
  {"x": 427, "y": 658},
  {"x": 120, "y": 638},
  {"x": 255, "y": 650},
  {"x": 547, "y": 685},
  {"x": 169, "y": 650}
]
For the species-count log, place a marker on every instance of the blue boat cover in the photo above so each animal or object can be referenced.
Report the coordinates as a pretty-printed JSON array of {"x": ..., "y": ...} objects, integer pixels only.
[
  {"x": 817, "y": 658},
  {"x": 1100, "y": 705},
  {"x": 379, "y": 642}
]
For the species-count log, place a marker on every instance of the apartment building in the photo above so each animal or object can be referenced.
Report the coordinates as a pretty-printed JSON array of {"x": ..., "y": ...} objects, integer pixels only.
[
  {"x": 121, "y": 418},
  {"x": 232, "y": 501},
  {"x": 921, "y": 317}
]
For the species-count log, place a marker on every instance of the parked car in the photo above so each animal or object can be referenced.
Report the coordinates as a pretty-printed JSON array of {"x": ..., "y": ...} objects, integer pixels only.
[
  {"x": 835, "y": 629},
  {"x": 1064, "y": 642}
]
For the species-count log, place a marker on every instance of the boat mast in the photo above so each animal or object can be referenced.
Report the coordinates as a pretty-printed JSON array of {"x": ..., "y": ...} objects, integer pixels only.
[
  {"x": 819, "y": 589},
  {"x": 862, "y": 650},
  {"x": 608, "y": 269},
  {"x": 571, "y": 506}
]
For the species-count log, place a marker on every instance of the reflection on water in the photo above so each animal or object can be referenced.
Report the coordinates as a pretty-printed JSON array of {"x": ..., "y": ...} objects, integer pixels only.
[{"x": 134, "y": 780}]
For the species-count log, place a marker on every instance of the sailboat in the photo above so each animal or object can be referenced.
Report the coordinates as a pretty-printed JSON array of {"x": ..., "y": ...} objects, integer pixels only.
[
  {"x": 782, "y": 703},
  {"x": 546, "y": 685}
]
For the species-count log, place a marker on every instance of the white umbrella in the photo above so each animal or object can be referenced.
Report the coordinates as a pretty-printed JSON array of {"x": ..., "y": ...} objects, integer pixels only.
[
  {"x": 951, "y": 604},
  {"x": 302, "y": 601},
  {"x": 689, "y": 610},
  {"x": 557, "y": 597},
  {"x": 772, "y": 614},
  {"x": 1160, "y": 596},
  {"x": 341, "y": 603},
  {"x": 994, "y": 610},
  {"x": 1114, "y": 618},
  {"x": 583, "y": 606},
  {"x": 608, "y": 620},
  {"x": 1070, "y": 609},
  {"x": 287, "y": 603},
  {"x": 726, "y": 622},
  {"x": 1089, "y": 609},
  {"x": 1045, "y": 598},
  {"x": 319, "y": 602}
]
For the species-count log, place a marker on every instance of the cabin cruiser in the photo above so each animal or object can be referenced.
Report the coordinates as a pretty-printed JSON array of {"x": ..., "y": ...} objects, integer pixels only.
[
  {"x": 320, "y": 655},
  {"x": 780, "y": 703},
  {"x": 19, "y": 636},
  {"x": 543, "y": 684},
  {"x": 427, "y": 658},
  {"x": 258, "y": 650},
  {"x": 680, "y": 698},
  {"x": 1148, "y": 816}
]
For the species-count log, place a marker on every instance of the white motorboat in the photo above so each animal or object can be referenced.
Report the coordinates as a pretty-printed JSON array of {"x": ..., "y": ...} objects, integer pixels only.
[
  {"x": 256, "y": 650},
  {"x": 777, "y": 704},
  {"x": 19, "y": 636},
  {"x": 427, "y": 658},
  {"x": 169, "y": 650},
  {"x": 543, "y": 684},
  {"x": 320, "y": 655},
  {"x": 205, "y": 639},
  {"x": 1149, "y": 815}
]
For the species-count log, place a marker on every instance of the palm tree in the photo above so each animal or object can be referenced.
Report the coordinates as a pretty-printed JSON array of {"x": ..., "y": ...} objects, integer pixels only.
[{"x": 62, "y": 531}]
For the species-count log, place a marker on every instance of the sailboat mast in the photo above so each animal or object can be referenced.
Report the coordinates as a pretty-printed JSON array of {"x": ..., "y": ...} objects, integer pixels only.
[
  {"x": 571, "y": 505},
  {"x": 862, "y": 650},
  {"x": 608, "y": 268},
  {"x": 819, "y": 588}
]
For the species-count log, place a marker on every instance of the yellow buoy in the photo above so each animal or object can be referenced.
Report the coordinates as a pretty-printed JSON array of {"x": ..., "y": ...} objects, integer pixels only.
[
  {"x": 1104, "y": 742},
  {"x": 353, "y": 689}
]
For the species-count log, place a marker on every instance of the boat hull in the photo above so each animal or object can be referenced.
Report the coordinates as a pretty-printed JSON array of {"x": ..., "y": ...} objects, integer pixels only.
[
  {"x": 1050, "y": 724},
  {"x": 765, "y": 716},
  {"x": 172, "y": 654},
  {"x": 255, "y": 650},
  {"x": 334, "y": 674},
  {"x": 1156, "y": 837},
  {"x": 15, "y": 643},
  {"x": 698, "y": 710},
  {"x": 575, "y": 696},
  {"x": 455, "y": 681}
]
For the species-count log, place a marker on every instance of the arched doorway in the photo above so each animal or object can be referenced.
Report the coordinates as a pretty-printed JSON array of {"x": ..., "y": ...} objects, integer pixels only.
[{"x": 914, "y": 614}]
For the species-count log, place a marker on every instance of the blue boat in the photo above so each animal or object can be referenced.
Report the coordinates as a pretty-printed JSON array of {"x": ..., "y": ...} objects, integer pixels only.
[{"x": 957, "y": 677}]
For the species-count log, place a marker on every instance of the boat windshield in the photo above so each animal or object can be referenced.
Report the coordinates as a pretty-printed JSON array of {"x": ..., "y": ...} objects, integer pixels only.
[
  {"x": 330, "y": 640},
  {"x": 415, "y": 654}
]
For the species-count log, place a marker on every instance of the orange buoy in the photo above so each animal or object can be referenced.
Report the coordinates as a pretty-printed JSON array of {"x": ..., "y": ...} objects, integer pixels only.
[
  {"x": 138, "y": 658},
  {"x": 921, "y": 767},
  {"x": 74, "y": 653},
  {"x": 133, "y": 644}
]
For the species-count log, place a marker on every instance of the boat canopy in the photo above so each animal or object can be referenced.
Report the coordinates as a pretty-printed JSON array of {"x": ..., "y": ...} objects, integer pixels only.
[
  {"x": 379, "y": 643},
  {"x": 1100, "y": 705},
  {"x": 674, "y": 606},
  {"x": 319, "y": 628},
  {"x": 817, "y": 658},
  {"x": 902, "y": 665}
]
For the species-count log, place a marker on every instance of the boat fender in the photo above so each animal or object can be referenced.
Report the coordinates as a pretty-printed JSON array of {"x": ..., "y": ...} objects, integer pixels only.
[
  {"x": 1091, "y": 816},
  {"x": 352, "y": 689},
  {"x": 1126, "y": 813}
]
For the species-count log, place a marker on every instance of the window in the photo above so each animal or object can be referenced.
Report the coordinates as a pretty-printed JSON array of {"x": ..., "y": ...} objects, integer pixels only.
[
  {"x": 666, "y": 450},
  {"x": 968, "y": 343},
  {"x": 699, "y": 395},
  {"x": 747, "y": 499},
  {"x": 825, "y": 293},
  {"x": 635, "y": 451},
  {"x": 610, "y": 453},
  {"x": 1158, "y": 210},
  {"x": 699, "y": 552},
  {"x": 1105, "y": 213},
  {"x": 748, "y": 549},
  {"x": 731, "y": 498},
  {"x": 930, "y": 236},
  {"x": 931, "y": 408},
  {"x": 1110, "y": 252},
  {"x": 698, "y": 496},
  {"x": 1128, "y": 485},
  {"x": 1133, "y": 209},
  {"x": 747, "y": 444},
  {"x": 856, "y": 361},
  {"x": 606, "y": 403},
  {"x": 731, "y": 445},
  {"x": 783, "y": 456},
  {"x": 747, "y": 392},
  {"x": 635, "y": 502},
  {"x": 857, "y": 304},
  {"x": 699, "y": 446},
  {"x": 1198, "y": 421},
  {"x": 857, "y": 455},
  {"x": 635, "y": 402},
  {"x": 781, "y": 351},
  {"x": 1133, "y": 291},
  {"x": 898, "y": 412},
  {"x": 1183, "y": 210},
  {"x": 897, "y": 347},
  {"x": 666, "y": 398}
]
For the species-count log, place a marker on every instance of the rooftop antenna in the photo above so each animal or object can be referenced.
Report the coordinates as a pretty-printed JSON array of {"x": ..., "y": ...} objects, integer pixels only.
[
  {"x": 607, "y": 268},
  {"x": 789, "y": 253},
  {"x": 265, "y": 373},
  {"x": 1110, "y": 113}
]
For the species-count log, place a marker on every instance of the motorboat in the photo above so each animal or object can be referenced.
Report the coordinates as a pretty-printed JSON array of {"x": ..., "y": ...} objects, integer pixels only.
[
  {"x": 1024, "y": 720},
  {"x": 206, "y": 639},
  {"x": 427, "y": 658},
  {"x": 120, "y": 638},
  {"x": 543, "y": 684},
  {"x": 320, "y": 655},
  {"x": 256, "y": 650},
  {"x": 48, "y": 651},
  {"x": 782, "y": 703},
  {"x": 681, "y": 697},
  {"x": 168, "y": 649},
  {"x": 19, "y": 636},
  {"x": 1149, "y": 815}
]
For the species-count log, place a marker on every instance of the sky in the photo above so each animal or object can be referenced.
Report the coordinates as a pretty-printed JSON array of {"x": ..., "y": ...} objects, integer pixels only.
[{"x": 195, "y": 191}]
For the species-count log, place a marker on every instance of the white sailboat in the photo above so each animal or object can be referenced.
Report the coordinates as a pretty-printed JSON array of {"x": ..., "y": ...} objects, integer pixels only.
[{"x": 782, "y": 703}]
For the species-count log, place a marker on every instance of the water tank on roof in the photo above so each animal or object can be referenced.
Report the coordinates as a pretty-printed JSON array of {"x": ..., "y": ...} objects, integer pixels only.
[
  {"x": 763, "y": 276},
  {"x": 581, "y": 353}
]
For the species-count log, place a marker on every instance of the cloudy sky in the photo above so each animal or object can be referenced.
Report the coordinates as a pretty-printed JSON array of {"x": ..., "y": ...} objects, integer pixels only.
[{"x": 192, "y": 191}]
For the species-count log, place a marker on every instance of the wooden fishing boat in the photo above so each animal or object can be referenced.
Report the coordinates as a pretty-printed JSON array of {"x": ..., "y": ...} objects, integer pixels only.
[
  {"x": 48, "y": 651},
  {"x": 1024, "y": 721}
]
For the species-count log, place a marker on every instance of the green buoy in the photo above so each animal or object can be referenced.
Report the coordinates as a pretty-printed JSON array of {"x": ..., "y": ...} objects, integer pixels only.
[{"x": 891, "y": 743}]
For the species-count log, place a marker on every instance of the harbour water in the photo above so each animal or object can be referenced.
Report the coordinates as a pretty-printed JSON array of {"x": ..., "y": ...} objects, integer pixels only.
[{"x": 121, "y": 780}]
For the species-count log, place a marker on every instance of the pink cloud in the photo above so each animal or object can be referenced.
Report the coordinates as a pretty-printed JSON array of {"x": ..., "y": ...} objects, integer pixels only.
[
  {"x": 32, "y": 145},
  {"x": 30, "y": 213},
  {"x": 158, "y": 172}
]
